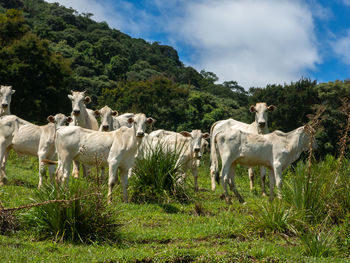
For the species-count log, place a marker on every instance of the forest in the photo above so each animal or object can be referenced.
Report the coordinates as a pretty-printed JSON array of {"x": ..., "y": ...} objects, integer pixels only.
[{"x": 47, "y": 50}]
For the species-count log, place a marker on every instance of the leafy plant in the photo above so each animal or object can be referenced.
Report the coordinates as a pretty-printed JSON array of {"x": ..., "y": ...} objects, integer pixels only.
[
  {"x": 83, "y": 218},
  {"x": 318, "y": 243},
  {"x": 157, "y": 174}
]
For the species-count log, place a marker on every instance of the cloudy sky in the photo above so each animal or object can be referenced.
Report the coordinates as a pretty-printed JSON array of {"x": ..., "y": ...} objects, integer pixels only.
[{"x": 254, "y": 42}]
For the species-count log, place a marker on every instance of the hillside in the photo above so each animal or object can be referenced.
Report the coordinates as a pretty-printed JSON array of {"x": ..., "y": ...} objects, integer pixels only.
[{"x": 48, "y": 50}]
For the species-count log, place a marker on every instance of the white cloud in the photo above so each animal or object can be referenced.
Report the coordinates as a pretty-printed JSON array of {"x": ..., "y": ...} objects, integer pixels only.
[
  {"x": 254, "y": 42},
  {"x": 346, "y": 2},
  {"x": 341, "y": 48}
]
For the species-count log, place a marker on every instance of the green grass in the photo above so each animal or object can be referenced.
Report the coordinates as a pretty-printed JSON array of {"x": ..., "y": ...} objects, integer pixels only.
[{"x": 203, "y": 230}]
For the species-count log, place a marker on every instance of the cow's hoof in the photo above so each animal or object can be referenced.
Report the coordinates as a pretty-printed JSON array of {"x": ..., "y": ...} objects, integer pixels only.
[{"x": 3, "y": 181}]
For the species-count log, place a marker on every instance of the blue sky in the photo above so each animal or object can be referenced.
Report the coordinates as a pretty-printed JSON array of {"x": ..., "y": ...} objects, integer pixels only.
[{"x": 254, "y": 42}]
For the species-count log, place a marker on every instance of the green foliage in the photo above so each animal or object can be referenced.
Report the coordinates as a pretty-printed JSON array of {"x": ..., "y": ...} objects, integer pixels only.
[
  {"x": 84, "y": 218},
  {"x": 275, "y": 217},
  {"x": 318, "y": 243},
  {"x": 157, "y": 174}
]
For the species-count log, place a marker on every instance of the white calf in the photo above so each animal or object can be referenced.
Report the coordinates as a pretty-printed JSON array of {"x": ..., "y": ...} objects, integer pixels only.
[
  {"x": 6, "y": 93},
  {"x": 259, "y": 126},
  {"x": 276, "y": 151},
  {"x": 116, "y": 149},
  {"x": 27, "y": 138}
]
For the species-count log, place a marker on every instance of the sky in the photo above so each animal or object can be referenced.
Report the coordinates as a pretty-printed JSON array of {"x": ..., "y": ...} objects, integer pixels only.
[{"x": 253, "y": 42}]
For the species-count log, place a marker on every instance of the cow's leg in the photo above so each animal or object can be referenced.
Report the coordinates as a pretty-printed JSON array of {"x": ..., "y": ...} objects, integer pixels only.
[
  {"x": 272, "y": 183},
  {"x": 262, "y": 178},
  {"x": 42, "y": 172},
  {"x": 225, "y": 177},
  {"x": 232, "y": 184},
  {"x": 124, "y": 180},
  {"x": 75, "y": 169},
  {"x": 3, "y": 159},
  {"x": 278, "y": 178},
  {"x": 212, "y": 177},
  {"x": 195, "y": 175},
  {"x": 251, "y": 178},
  {"x": 113, "y": 168}
]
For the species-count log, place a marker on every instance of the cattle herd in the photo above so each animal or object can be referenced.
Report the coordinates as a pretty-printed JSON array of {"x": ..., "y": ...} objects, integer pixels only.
[{"x": 117, "y": 141}]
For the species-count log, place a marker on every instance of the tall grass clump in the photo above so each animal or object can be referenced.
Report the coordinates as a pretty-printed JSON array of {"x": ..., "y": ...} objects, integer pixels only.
[
  {"x": 79, "y": 215},
  {"x": 318, "y": 243},
  {"x": 275, "y": 217},
  {"x": 157, "y": 174}
]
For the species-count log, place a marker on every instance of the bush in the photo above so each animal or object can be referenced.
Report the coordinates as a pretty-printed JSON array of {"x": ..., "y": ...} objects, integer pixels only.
[
  {"x": 318, "y": 243},
  {"x": 275, "y": 217},
  {"x": 157, "y": 175},
  {"x": 85, "y": 218}
]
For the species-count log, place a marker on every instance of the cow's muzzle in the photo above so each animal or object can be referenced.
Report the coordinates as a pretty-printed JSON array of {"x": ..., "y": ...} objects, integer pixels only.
[
  {"x": 105, "y": 127},
  {"x": 262, "y": 124},
  {"x": 140, "y": 134},
  {"x": 76, "y": 112},
  {"x": 4, "y": 105}
]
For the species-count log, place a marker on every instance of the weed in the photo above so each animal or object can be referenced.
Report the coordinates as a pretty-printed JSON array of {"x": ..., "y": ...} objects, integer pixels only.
[
  {"x": 83, "y": 220},
  {"x": 157, "y": 175}
]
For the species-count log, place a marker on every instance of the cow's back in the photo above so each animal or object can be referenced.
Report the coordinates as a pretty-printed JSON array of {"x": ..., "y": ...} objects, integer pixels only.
[{"x": 26, "y": 140}]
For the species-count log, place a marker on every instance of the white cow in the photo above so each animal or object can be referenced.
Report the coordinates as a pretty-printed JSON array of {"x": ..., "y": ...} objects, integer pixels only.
[
  {"x": 82, "y": 117},
  {"x": 276, "y": 151},
  {"x": 26, "y": 138},
  {"x": 107, "y": 118},
  {"x": 122, "y": 120},
  {"x": 5, "y": 96},
  {"x": 192, "y": 145},
  {"x": 259, "y": 126},
  {"x": 116, "y": 149}
]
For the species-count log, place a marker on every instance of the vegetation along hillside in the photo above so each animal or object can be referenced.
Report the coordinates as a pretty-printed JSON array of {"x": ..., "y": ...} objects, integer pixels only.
[{"x": 47, "y": 50}]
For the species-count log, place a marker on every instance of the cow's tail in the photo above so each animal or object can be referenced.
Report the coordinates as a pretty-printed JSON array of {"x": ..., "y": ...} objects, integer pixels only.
[
  {"x": 214, "y": 160},
  {"x": 49, "y": 162}
]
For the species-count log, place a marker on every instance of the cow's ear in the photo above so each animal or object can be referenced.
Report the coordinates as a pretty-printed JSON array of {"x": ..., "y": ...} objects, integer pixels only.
[
  {"x": 70, "y": 97},
  {"x": 13, "y": 91},
  {"x": 97, "y": 113},
  {"x": 51, "y": 118},
  {"x": 185, "y": 133},
  {"x": 69, "y": 119},
  {"x": 271, "y": 108},
  {"x": 150, "y": 120},
  {"x": 130, "y": 120},
  {"x": 115, "y": 113},
  {"x": 87, "y": 100},
  {"x": 205, "y": 135},
  {"x": 252, "y": 108}
]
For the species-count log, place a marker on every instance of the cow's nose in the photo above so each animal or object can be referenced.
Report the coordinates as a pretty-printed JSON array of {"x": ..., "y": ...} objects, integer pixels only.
[
  {"x": 4, "y": 105},
  {"x": 76, "y": 112},
  {"x": 105, "y": 127},
  {"x": 262, "y": 124},
  {"x": 140, "y": 134},
  {"x": 197, "y": 150}
]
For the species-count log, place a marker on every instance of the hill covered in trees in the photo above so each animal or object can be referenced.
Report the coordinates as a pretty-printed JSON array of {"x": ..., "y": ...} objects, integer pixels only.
[{"x": 47, "y": 50}]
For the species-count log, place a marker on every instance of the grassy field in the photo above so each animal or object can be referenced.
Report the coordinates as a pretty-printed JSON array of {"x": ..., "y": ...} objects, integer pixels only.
[{"x": 205, "y": 229}]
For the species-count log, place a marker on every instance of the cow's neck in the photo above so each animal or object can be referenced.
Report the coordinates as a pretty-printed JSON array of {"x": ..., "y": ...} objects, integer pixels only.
[
  {"x": 83, "y": 119},
  {"x": 294, "y": 146},
  {"x": 259, "y": 130},
  {"x": 5, "y": 112}
]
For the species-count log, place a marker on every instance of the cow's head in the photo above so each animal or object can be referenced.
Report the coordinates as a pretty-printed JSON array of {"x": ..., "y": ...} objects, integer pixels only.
[
  {"x": 79, "y": 100},
  {"x": 5, "y": 96},
  {"x": 106, "y": 114},
  {"x": 140, "y": 120},
  {"x": 261, "y": 113},
  {"x": 305, "y": 138},
  {"x": 197, "y": 145},
  {"x": 59, "y": 119}
]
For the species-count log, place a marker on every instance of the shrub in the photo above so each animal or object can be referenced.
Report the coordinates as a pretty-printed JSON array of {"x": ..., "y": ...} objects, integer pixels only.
[
  {"x": 318, "y": 243},
  {"x": 275, "y": 217},
  {"x": 157, "y": 174},
  {"x": 85, "y": 218}
]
